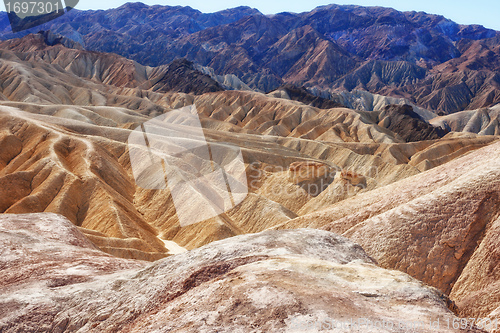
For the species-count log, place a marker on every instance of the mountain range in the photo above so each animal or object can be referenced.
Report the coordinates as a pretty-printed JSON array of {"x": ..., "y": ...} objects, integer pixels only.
[{"x": 427, "y": 59}]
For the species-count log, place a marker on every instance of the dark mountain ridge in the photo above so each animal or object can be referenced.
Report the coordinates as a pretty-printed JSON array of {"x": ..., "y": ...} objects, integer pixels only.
[{"x": 401, "y": 119}]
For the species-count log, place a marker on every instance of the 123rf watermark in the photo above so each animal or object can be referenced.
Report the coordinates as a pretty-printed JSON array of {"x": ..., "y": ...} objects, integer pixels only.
[
  {"x": 302, "y": 325},
  {"x": 27, "y": 14}
]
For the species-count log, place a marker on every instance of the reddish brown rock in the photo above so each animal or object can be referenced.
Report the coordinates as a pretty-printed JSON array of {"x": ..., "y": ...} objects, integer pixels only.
[
  {"x": 353, "y": 178},
  {"x": 53, "y": 279}
]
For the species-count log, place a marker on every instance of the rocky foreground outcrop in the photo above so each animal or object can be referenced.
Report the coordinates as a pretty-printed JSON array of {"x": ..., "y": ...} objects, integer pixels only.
[
  {"x": 54, "y": 280},
  {"x": 441, "y": 226}
]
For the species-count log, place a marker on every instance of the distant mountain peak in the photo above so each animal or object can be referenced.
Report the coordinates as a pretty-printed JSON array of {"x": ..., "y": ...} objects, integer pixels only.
[
  {"x": 182, "y": 76},
  {"x": 133, "y": 5},
  {"x": 52, "y": 39}
]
